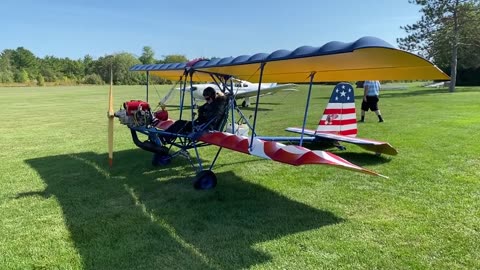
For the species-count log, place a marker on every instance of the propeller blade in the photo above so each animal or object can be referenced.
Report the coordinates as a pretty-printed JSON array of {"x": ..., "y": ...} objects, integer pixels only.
[{"x": 110, "y": 116}]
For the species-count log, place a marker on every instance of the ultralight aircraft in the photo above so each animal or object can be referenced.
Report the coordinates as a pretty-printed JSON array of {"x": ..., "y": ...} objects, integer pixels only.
[{"x": 367, "y": 58}]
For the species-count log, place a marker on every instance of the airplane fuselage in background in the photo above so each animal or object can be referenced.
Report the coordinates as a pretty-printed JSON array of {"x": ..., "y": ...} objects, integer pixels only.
[{"x": 242, "y": 90}]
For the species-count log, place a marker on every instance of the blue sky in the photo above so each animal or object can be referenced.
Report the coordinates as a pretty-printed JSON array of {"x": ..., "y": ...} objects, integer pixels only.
[{"x": 75, "y": 28}]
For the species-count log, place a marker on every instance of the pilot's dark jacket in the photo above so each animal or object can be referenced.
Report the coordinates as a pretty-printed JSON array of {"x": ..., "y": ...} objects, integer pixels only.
[{"x": 208, "y": 111}]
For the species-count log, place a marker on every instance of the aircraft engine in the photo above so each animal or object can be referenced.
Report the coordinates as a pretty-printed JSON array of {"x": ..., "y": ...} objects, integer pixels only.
[{"x": 135, "y": 113}]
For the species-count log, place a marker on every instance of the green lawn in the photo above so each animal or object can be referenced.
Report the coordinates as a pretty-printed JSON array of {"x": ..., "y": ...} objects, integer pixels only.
[{"x": 62, "y": 207}]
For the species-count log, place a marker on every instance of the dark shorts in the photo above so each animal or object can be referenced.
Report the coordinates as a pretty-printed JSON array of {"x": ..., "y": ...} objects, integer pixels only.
[{"x": 371, "y": 103}]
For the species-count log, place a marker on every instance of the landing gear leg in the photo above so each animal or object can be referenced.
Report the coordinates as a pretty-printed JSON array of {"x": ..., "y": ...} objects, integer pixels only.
[{"x": 246, "y": 102}]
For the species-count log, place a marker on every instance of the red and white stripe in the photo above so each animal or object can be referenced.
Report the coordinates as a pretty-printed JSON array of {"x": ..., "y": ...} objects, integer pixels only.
[
  {"x": 289, "y": 154},
  {"x": 339, "y": 118}
]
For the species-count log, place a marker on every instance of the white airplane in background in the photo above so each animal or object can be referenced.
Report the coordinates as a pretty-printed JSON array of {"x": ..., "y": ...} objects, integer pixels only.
[{"x": 243, "y": 90}]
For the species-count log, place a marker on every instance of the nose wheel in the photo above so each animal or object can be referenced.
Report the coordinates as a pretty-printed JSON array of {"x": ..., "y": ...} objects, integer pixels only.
[{"x": 162, "y": 158}]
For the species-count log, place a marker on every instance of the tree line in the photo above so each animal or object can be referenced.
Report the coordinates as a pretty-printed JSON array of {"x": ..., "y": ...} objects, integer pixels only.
[
  {"x": 448, "y": 33},
  {"x": 22, "y": 66}
]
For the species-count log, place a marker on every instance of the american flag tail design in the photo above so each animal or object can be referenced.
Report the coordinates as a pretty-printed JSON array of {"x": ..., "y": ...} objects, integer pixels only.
[{"x": 339, "y": 116}]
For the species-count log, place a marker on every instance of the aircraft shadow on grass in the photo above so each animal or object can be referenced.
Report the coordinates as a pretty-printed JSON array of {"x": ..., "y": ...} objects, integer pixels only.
[
  {"x": 134, "y": 216},
  {"x": 364, "y": 159}
]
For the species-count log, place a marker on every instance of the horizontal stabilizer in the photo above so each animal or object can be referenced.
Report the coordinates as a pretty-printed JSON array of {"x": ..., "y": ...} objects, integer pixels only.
[{"x": 367, "y": 144}]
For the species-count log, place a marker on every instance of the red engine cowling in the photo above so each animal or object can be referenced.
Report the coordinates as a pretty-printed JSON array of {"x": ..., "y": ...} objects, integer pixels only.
[{"x": 136, "y": 105}]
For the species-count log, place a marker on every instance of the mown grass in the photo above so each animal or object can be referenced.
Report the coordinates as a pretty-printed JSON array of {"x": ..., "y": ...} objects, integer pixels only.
[{"x": 62, "y": 207}]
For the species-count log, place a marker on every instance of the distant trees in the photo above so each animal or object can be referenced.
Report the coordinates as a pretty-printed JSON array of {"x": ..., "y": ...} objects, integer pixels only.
[
  {"x": 148, "y": 56},
  {"x": 22, "y": 66},
  {"x": 447, "y": 32},
  {"x": 174, "y": 58},
  {"x": 93, "y": 79},
  {"x": 6, "y": 70}
]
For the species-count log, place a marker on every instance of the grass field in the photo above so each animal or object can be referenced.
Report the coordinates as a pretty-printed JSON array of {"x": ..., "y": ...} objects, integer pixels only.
[{"x": 62, "y": 207}]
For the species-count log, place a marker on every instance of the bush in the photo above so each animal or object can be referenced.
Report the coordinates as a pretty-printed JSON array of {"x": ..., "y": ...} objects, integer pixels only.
[
  {"x": 21, "y": 76},
  {"x": 40, "y": 80},
  {"x": 93, "y": 79},
  {"x": 6, "y": 77}
]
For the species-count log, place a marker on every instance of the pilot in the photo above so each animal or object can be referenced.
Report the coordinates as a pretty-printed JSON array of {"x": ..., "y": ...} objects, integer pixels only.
[{"x": 214, "y": 108}]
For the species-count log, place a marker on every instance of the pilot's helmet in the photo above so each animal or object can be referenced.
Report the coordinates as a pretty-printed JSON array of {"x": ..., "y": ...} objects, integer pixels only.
[{"x": 209, "y": 92}]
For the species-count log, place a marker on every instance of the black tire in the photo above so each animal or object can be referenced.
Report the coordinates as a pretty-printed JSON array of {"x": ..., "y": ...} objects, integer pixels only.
[
  {"x": 244, "y": 104},
  {"x": 205, "y": 180},
  {"x": 161, "y": 159}
]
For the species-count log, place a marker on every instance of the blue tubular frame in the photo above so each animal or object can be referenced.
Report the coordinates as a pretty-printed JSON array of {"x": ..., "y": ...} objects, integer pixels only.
[
  {"x": 182, "y": 97},
  {"x": 262, "y": 66},
  {"x": 193, "y": 120},
  {"x": 192, "y": 116},
  {"x": 232, "y": 105},
  {"x": 188, "y": 141},
  {"x": 148, "y": 80},
  {"x": 306, "y": 107}
]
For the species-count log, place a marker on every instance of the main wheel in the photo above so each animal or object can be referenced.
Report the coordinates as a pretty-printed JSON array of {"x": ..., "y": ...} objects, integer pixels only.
[
  {"x": 244, "y": 104},
  {"x": 204, "y": 180}
]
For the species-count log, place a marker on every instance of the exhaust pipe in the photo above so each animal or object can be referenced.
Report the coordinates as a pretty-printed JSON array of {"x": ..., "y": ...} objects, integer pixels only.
[{"x": 148, "y": 145}]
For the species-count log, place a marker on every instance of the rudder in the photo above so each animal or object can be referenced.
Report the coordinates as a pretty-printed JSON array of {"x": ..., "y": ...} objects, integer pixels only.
[{"x": 339, "y": 117}]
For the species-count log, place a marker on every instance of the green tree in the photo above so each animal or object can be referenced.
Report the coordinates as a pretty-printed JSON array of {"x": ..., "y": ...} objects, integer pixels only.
[
  {"x": 23, "y": 59},
  {"x": 148, "y": 55},
  {"x": 89, "y": 64},
  {"x": 51, "y": 68},
  {"x": 6, "y": 70},
  {"x": 174, "y": 58},
  {"x": 93, "y": 79},
  {"x": 21, "y": 76},
  {"x": 120, "y": 65},
  {"x": 442, "y": 31},
  {"x": 40, "y": 80},
  {"x": 72, "y": 68}
]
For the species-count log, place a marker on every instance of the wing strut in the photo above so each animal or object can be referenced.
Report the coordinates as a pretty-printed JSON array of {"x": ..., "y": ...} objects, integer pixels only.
[
  {"x": 110, "y": 115},
  {"x": 148, "y": 80},
  {"x": 182, "y": 96},
  {"x": 262, "y": 66},
  {"x": 306, "y": 107}
]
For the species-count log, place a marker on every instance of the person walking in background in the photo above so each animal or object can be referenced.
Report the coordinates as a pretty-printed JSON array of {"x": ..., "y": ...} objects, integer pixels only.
[{"x": 371, "y": 93}]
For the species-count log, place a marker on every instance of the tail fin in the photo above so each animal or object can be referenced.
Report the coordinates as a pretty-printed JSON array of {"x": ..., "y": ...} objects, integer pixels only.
[{"x": 339, "y": 116}]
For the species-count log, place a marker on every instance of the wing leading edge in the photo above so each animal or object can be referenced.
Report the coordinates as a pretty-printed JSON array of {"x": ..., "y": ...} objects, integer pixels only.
[{"x": 367, "y": 58}]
